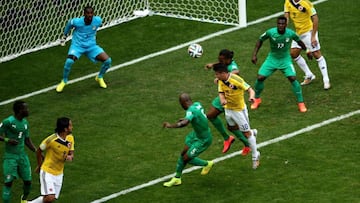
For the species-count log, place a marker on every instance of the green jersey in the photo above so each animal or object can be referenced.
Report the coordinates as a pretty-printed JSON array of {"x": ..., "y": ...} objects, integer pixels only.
[
  {"x": 17, "y": 130},
  {"x": 279, "y": 43},
  {"x": 195, "y": 114},
  {"x": 232, "y": 66}
]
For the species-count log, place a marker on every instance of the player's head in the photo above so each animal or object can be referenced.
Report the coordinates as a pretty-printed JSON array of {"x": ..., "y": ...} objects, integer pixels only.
[
  {"x": 88, "y": 13},
  {"x": 20, "y": 109},
  {"x": 225, "y": 56},
  {"x": 63, "y": 124},
  {"x": 281, "y": 24},
  {"x": 185, "y": 100},
  {"x": 221, "y": 71}
]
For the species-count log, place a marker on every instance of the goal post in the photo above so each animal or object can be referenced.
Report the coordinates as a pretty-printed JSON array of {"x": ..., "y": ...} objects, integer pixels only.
[{"x": 31, "y": 25}]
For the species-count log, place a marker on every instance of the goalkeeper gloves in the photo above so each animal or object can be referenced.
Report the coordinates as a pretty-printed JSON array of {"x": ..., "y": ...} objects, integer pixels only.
[{"x": 63, "y": 40}]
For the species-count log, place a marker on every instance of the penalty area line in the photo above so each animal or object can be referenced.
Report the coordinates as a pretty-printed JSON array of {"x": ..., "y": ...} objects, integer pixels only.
[{"x": 219, "y": 159}]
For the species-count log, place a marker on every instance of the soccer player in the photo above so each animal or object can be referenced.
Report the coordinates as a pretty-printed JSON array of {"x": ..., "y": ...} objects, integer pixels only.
[
  {"x": 196, "y": 142},
  {"x": 14, "y": 131},
  {"x": 231, "y": 88},
  {"x": 306, "y": 20},
  {"x": 278, "y": 58},
  {"x": 58, "y": 148},
  {"x": 226, "y": 57},
  {"x": 84, "y": 42}
]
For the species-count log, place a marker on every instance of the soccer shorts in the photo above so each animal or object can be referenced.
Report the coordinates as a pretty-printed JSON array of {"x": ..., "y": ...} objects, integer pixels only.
[
  {"x": 15, "y": 167},
  {"x": 217, "y": 104},
  {"x": 50, "y": 184},
  {"x": 271, "y": 65},
  {"x": 240, "y": 118},
  {"x": 196, "y": 145},
  {"x": 91, "y": 52},
  {"x": 306, "y": 38}
]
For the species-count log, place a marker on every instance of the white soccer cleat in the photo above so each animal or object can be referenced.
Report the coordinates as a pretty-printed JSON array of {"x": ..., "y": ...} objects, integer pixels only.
[
  {"x": 327, "y": 85},
  {"x": 256, "y": 162},
  {"x": 308, "y": 79}
]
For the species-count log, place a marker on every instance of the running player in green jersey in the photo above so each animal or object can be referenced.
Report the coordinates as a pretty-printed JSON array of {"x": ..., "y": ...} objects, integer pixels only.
[
  {"x": 225, "y": 57},
  {"x": 14, "y": 131},
  {"x": 196, "y": 142},
  {"x": 279, "y": 58}
]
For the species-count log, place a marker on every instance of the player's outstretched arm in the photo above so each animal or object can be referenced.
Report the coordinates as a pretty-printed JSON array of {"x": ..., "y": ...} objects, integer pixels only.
[
  {"x": 181, "y": 123},
  {"x": 256, "y": 50}
]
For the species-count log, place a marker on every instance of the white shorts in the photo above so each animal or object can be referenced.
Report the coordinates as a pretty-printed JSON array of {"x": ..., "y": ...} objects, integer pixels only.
[
  {"x": 240, "y": 118},
  {"x": 306, "y": 38},
  {"x": 50, "y": 184}
]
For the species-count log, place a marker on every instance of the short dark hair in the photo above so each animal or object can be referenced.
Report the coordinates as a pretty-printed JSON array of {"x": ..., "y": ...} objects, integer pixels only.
[
  {"x": 61, "y": 124},
  {"x": 88, "y": 7},
  {"x": 226, "y": 53},
  {"x": 18, "y": 105},
  {"x": 220, "y": 67},
  {"x": 282, "y": 18}
]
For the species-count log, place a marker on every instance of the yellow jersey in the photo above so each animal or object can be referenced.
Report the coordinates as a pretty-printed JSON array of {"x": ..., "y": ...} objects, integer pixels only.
[
  {"x": 56, "y": 150},
  {"x": 233, "y": 88},
  {"x": 300, "y": 13}
]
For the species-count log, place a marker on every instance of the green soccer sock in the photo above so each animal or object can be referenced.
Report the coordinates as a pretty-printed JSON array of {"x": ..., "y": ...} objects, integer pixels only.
[
  {"x": 198, "y": 162},
  {"x": 296, "y": 88},
  {"x": 26, "y": 189},
  {"x": 6, "y": 194},
  {"x": 218, "y": 124},
  {"x": 241, "y": 136},
  {"x": 179, "y": 167},
  {"x": 258, "y": 87}
]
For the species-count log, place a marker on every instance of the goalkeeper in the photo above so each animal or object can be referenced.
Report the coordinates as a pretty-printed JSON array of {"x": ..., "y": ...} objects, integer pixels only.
[{"x": 84, "y": 42}]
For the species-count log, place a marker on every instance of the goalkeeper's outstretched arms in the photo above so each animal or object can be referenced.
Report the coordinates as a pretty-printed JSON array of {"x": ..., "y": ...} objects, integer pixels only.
[{"x": 68, "y": 27}]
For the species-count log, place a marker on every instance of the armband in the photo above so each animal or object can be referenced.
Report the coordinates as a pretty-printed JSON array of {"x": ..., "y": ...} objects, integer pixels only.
[{"x": 6, "y": 139}]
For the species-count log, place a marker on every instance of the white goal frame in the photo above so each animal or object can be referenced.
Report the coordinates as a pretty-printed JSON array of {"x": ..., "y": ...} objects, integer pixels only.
[{"x": 22, "y": 32}]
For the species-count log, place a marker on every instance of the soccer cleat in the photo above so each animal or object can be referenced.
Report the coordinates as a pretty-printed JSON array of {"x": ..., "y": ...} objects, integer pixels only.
[
  {"x": 23, "y": 200},
  {"x": 101, "y": 82},
  {"x": 255, "y": 132},
  {"x": 173, "y": 182},
  {"x": 245, "y": 151},
  {"x": 327, "y": 85},
  {"x": 207, "y": 168},
  {"x": 256, "y": 103},
  {"x": 308, "y": 79},
  {"x": 302, "y": 107},
  {"x": 227, "y": 143},
  {"x": 256, "y": 162},
  {"x": 60, "y": 86}
]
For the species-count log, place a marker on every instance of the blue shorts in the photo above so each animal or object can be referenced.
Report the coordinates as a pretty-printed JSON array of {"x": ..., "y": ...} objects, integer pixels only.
[{"x": 91, "y": 52}]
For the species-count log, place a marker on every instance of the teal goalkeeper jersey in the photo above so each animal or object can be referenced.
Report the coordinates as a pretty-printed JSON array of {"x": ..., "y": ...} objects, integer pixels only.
[
  {"x": 195, "y": 114},
  {"x": 279, "y": 43},
  {"x": 17, "y": 130},
  {"x": 83, "y": 35}
]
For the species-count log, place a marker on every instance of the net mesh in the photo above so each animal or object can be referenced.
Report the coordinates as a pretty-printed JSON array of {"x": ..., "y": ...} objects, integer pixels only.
[
  {"x": 31, "y": 25},
  {"x": 214, "y": 11}
]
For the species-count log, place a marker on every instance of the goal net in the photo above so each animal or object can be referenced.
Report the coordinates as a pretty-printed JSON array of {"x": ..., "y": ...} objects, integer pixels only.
[{"x": 30, "y": 25}]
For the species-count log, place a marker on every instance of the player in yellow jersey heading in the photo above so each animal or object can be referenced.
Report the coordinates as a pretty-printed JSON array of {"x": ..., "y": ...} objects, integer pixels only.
[
  {"x": 305, "y": 19},
  {"x": 58, "y": 148}
]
